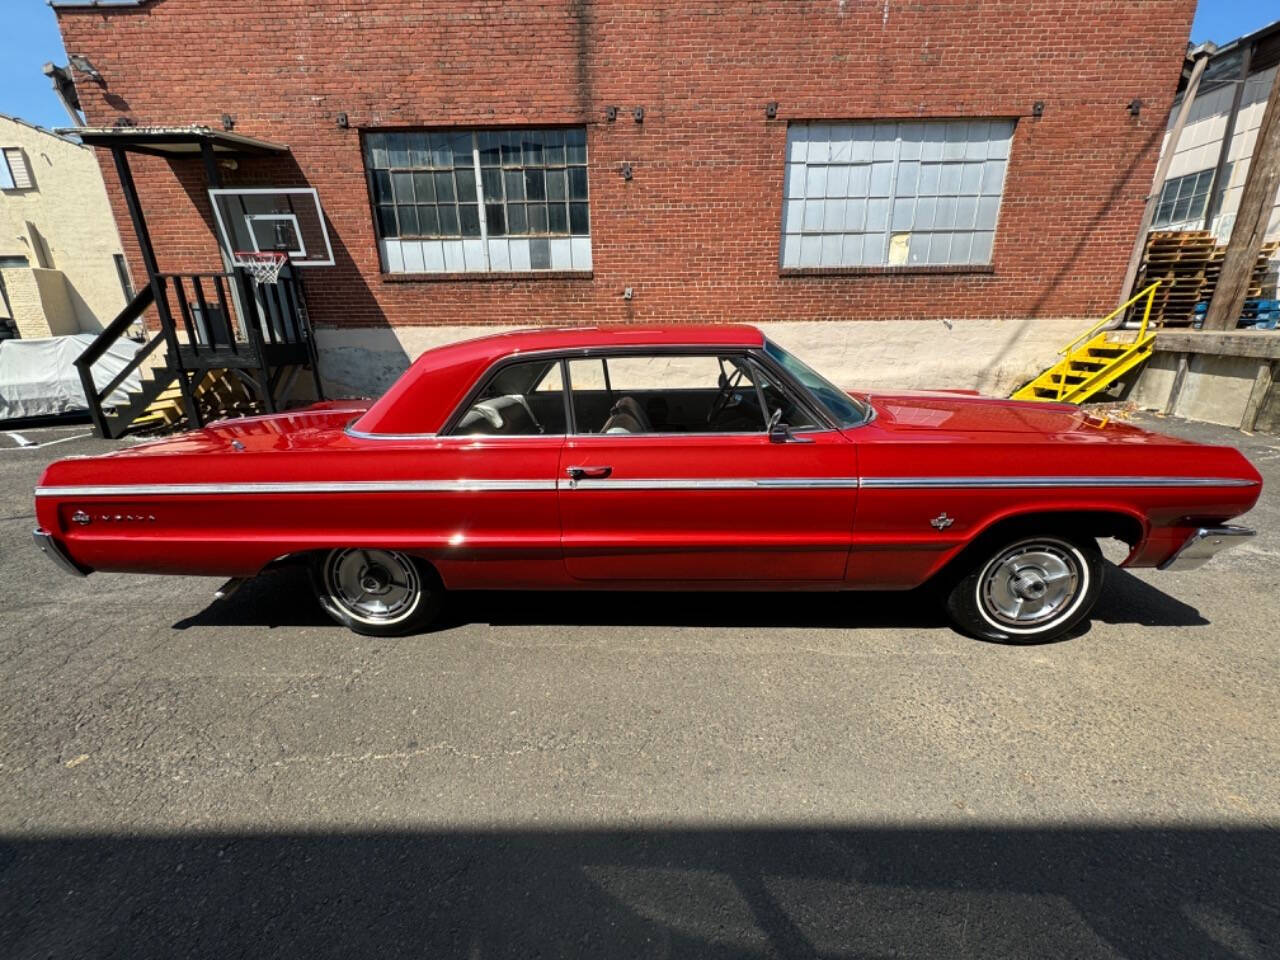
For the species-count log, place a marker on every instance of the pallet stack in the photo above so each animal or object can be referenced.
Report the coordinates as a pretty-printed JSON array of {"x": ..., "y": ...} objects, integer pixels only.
[
  {"x": 1188, "y": 263},
  {"x": 1256, "y": 279},
  {"x": 1180, "y": 260}
]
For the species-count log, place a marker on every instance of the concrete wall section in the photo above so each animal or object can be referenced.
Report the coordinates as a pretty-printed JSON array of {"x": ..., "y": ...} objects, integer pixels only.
[{"x": 993, "y": 356}]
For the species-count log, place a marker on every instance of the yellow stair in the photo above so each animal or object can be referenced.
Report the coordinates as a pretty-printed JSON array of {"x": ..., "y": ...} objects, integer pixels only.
[
  {"x": 219, "y": 392},
  {"x": 1095, "y": 359}
]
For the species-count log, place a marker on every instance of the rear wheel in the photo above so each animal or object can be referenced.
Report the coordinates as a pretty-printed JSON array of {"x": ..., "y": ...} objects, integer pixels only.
[
  {"x": 379, "y": 593},
  {"x": 1028, "y": 589}
]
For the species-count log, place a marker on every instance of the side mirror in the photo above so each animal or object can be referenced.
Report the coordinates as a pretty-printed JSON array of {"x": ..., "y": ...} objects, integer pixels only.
[{"x": 777, "y": 430}]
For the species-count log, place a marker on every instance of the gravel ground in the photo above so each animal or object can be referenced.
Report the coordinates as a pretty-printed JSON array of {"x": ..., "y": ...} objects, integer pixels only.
[{"x": 634, "y": 775}]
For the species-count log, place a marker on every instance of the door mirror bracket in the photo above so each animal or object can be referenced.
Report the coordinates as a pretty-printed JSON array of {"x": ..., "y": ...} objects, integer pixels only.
[{"x": 779, "y": 432}]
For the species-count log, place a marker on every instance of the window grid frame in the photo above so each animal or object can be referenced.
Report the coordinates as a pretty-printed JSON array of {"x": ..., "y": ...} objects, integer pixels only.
[
  {"x": 376, "y": 139},
  {"x": 1195, "y": 211},
  {"x": 890, "y": 197}
]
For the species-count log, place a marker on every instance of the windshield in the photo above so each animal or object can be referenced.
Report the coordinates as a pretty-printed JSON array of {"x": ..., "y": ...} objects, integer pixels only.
[{"x": 845, "y": 410}]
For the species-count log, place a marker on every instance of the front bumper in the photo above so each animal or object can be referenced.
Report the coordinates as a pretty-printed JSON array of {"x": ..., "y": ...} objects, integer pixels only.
[
  {"x": 53, "y": 550},
  {"x": 1199, "y": 548}
]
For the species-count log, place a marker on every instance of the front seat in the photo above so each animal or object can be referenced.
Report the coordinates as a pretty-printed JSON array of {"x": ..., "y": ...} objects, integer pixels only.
[{"x": 627, "y": 416}]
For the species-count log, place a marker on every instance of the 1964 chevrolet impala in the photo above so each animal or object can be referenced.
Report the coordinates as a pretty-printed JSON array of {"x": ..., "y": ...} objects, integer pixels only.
[{"x": 697, "y": 457}]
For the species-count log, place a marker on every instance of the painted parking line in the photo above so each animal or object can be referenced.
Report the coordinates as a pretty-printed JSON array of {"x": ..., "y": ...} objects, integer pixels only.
[{"x": 25, "y": 444}]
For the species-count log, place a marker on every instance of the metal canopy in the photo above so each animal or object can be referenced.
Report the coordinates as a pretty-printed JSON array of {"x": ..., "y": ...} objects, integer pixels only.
[{"x": 173, "y": 141}]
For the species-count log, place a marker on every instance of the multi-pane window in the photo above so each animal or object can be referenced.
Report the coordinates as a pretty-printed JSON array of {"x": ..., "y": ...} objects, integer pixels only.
[
  {"x": 1183, "y": 199},
  {"x": 487, "y": 200},
  {"x": 893, "y": 194}
]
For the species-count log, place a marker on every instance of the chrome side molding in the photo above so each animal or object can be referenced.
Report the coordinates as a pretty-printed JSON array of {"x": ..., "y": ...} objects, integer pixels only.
[
  {"x": 51, "y": 549},
  {"x": 1204, "y": 544}
]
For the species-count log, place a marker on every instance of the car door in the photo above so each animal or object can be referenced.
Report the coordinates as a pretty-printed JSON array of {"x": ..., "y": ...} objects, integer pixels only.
[
  {"x": 684, "y": 500},
  {"x": 499, "y": 454}
]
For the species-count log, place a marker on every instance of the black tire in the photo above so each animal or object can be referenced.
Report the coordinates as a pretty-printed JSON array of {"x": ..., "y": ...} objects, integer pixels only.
[
  {"x": 375, "y": 592},
  {"x": 1026, "y": 588}
]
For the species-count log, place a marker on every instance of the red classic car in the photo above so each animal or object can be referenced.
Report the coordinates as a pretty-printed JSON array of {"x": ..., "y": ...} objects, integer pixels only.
[{"x": 695, "y": 457}]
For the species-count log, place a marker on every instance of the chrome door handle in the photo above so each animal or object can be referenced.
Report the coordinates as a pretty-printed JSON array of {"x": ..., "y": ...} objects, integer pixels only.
[{"x": 589, "y": 473}]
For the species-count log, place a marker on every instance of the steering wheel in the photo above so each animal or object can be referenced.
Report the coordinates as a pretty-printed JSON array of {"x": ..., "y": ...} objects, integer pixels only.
[{"x": 721, "y": 402}]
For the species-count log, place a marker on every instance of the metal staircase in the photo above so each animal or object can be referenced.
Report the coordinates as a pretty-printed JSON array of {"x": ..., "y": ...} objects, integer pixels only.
[
  {"x": 224, "y": 344},
  {"x": 1097, "y": 358}
]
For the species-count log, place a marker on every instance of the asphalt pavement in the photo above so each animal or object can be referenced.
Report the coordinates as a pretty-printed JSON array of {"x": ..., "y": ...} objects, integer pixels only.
[{"x": 638, "y": 775}]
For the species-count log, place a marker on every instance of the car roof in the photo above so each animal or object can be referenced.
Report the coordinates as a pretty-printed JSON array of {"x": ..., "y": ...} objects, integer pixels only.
[{"x": 436, "y": 382}]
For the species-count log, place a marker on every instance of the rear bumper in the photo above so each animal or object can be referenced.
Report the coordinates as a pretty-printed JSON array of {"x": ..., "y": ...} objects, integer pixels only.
[
  {"x": 53, "y": 550},
  {"x": 1199, "y": 548}
]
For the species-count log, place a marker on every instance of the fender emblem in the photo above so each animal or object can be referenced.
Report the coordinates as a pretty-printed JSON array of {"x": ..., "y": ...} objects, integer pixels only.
[
  {"x": 941, "y": 521},
  {"x": 80, "y": 517}
]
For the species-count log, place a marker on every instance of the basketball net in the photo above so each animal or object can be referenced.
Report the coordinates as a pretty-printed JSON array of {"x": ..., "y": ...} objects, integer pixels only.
[{"x": 264, "y": 267}]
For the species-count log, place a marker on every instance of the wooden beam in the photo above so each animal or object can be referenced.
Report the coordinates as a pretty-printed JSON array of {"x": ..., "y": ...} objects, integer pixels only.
[
  {"x": 1251, "y": 220},
  {"x": 1257, "y": 396},
  {"x": 1175, "y": 389},
  {"x": 1157, "y": 181}
]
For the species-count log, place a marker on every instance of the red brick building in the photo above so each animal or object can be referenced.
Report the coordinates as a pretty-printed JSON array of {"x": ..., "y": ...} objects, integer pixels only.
[{"x": 809, "y": 165}]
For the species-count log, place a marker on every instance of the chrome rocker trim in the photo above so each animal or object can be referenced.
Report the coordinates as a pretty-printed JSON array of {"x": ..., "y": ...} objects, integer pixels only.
[
  {"x": 53, "y": 550},
  {"x": 337, "y": 486},
  {"x": 620, "y": 483},
  {"x": 924, "y": 483},
  {"x": 1204, "y": 544}
]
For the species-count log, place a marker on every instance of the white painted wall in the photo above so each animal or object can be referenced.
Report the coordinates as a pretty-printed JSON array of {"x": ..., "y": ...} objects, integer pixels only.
[{"x": 993, "y": 356}]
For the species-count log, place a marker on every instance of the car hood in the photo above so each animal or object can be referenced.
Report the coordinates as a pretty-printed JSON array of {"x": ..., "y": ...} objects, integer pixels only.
[{"x": 969, "y": 414}]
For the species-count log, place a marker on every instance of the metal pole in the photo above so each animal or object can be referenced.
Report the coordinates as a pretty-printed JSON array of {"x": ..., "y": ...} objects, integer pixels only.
[
  {"x": 157, "y": 283},
  {"x": 1213, "y": 204}
]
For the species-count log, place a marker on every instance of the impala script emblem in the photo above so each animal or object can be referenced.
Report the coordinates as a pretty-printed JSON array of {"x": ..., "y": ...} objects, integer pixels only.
[{"x": 942, "y": 521}]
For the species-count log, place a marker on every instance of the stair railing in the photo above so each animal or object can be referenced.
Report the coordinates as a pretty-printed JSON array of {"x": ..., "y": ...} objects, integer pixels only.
[
  {"x": 113, "y": 332},
  {"x": 1149, "y": 292}
]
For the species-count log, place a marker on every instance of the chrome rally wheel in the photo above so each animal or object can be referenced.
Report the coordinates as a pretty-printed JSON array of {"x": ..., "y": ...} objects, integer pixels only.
[
  {"x": 376, "y": 592},
  {"x": 1029, "y": 590}
]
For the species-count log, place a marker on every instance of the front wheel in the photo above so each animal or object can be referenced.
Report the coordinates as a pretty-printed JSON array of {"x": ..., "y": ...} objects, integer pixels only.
[
  {"x": 378, "y": 593},
  {"x": 1027, "y": 590}
]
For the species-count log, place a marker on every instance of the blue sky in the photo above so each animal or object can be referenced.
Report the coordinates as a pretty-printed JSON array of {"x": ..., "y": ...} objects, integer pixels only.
[{"x": 30, "y": 38}]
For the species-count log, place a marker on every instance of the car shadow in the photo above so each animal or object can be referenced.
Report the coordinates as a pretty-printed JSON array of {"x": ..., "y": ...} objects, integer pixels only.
[
  {"x": 282, "y": 598},
  {"x": 840, "y": 890}
]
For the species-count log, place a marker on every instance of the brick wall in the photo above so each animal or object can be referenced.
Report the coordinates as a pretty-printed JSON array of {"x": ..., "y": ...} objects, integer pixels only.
[{"x": 696, "y": 233}]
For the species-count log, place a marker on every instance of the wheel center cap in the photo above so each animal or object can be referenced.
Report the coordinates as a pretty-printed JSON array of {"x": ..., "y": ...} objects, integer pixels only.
[
  {"x": 1028, "y": 586},
  {"x": 374, "y": 580}
]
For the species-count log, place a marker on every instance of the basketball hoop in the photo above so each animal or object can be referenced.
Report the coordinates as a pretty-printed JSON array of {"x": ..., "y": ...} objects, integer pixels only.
[{"x": 264, "y": 266}]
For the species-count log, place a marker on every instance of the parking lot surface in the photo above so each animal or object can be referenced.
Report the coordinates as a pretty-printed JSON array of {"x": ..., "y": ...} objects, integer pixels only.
[{"x": 634, "y": 775}]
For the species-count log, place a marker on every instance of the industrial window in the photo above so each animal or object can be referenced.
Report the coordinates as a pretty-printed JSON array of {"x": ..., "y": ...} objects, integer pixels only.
[
  {"x": 489, "y": 200},
  {"x": 893, "y": 194},
  {"x": 14, "y": 173},
  {"x": 1183, "y": 199}
]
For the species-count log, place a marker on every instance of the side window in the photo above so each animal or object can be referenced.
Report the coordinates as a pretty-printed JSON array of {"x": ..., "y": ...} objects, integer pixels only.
[
  {"x": 519, "y": 400},
  {"x": 794, "y": 414},
  {"x": 666, "y": 393}
]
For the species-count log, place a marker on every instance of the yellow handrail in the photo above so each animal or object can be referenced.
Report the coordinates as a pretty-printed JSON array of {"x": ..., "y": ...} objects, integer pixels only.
[{"x": 1149, "y": 292}]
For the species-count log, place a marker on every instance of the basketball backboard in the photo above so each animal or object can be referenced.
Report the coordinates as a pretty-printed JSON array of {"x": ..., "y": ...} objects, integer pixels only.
[{"x": 262, "y": 219}]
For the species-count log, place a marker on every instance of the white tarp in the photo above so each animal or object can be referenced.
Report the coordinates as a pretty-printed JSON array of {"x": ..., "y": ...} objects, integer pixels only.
[{"x": 38, "y": 378}]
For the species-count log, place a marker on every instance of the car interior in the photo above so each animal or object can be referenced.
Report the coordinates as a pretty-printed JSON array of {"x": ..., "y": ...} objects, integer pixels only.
[{"x": 633, "y": 395}]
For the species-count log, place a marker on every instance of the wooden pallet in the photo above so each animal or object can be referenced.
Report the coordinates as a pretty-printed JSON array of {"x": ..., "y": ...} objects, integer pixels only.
[{"x": 1188, "y": 264}]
